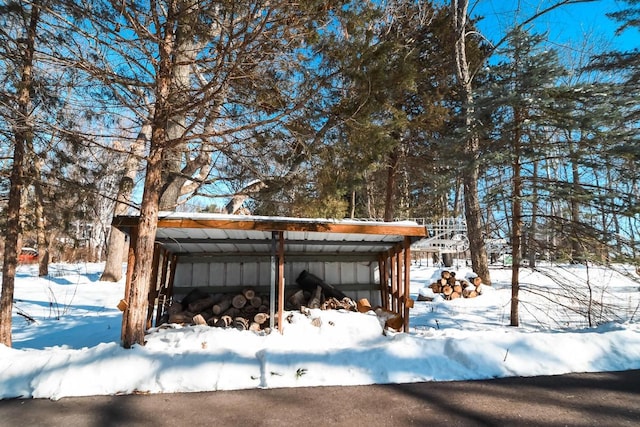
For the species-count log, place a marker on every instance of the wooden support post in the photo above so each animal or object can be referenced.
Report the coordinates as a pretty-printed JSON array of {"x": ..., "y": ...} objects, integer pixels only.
[
  {"x": 162, "y": 293},
  {"x": 280, "y": 279},
  {"x": 384, "y": 282},
  {"x": 131, "y": 260},
  {"x": 399, "y": 281},
  {"x": 394, "y": 282},
  {"x": 272, "y": 285},
  {"x": 153, "y": 285},
  {"x": 408, "y": 302}
]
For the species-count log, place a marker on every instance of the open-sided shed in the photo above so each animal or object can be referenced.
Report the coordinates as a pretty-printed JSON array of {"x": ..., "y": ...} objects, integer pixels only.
[{"x": 225, "y": 253}]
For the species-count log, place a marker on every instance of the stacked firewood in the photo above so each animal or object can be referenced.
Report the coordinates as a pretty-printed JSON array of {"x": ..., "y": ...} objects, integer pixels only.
[
  {"x": 451, "y": 288},
  {"x": 242, "y": 310},
  {"x": 313, "y": 292},
  {"x": 248, "y": 310}
]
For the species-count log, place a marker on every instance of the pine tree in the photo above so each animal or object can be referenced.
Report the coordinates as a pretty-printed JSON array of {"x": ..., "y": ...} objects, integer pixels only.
[{"x": 521, "y": 87}]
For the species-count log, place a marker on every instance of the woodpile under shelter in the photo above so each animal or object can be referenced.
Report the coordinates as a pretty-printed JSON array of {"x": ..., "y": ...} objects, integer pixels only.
[{"x": 226, "y": 253}]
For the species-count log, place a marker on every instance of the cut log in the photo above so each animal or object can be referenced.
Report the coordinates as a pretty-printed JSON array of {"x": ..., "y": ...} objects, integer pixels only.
[
  {"x": 224, "y": 322},
  {"x": 201, "y": 304},
  {"x": 445, "y": 274},
  {"x": 181, "y": 318},
  {"x": 389, "y": 318},
  {"x": 261, "y": 318},
  {"x": 296, "y": 300},
  {"x": 316, "y": 298},
  {"x": 232, "y": 312},
  {"x": 469, "y": 293},
  {"x": 241, "y": 323},
  {"x": 174, "y": 308},
  {"x": 249, "y": 310},
  {"x": 457, "y": 288},
  {"x": 248, "y": 293},
  {"x": 454, "y": 295},
  {"x": 239, "y": 301},
  {"x": 443, "y": 282},
  {"x": 447, "y": 290},
  {"x": 255, "y": 327},
  {"x": 436, "y": 288},
  {"x": 255, "y": 301},
  {"x": 222, "y": 306},
  {"x": 363, "y": 305},
  {"x": 309, "y": 282},
  {"x": 199, "y": 320},
  {"x": 195, "y": 295}
]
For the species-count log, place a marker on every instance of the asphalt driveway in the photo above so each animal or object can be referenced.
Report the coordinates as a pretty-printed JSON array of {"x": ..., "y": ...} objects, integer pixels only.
[{"x": 592, "y": 399}]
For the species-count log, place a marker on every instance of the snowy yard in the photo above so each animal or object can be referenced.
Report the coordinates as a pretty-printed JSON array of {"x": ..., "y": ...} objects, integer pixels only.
[{"x": 72, "y": 348}]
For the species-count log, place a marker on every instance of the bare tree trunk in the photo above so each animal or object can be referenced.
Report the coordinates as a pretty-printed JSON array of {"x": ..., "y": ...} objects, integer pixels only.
[
  {"x": 576, "y": 248},
  {"x": 185, "y": 50},
  {"x": 532, "y": 245},
  {"x": 392, "y": 175},
  {"x": 117, "y": 240},
  {"x": 134, "y": 318},
  {"x": 235, "y": 203},
  {"x": 41, "y": 232},
  {"x": 23, "y": 133},
  {"x": 516, "y": 218},
  {"x": 473, "y": 215}
]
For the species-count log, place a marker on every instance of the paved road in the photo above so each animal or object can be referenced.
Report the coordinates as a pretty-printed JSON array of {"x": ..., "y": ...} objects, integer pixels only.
[{"x": 598, "y": 399}]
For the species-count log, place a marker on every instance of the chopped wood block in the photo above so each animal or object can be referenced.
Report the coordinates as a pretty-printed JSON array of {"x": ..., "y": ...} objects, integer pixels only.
[
  {"x": 469, "y": 293},
  {"x": 248, "y": 293},
  {"x": 201, "y": 304},
  {"x": 363, "y": 305},
  {"x": 175, "y": 308},
  {"x": 255, "y": 301},
  {"x": 199, "y": 320},
  {"x": 239, "y": 301},
  {"x": 222, "y": 306},
  {"x": 316, "y": 298},
  {"x": 261, "y": 318},
  {"x": 241, "y": 323}
]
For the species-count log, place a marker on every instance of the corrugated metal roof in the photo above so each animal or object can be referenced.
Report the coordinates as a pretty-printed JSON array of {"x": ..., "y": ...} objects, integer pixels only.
[{"x": 189, "y": 233}]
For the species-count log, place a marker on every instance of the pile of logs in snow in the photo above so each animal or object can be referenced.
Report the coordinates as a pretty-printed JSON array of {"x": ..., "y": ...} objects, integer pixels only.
[{"x": 451, "y": 288}]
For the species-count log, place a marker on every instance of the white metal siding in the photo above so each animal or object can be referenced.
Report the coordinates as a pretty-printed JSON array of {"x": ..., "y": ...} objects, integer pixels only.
[{"x": 219, "y": 275}]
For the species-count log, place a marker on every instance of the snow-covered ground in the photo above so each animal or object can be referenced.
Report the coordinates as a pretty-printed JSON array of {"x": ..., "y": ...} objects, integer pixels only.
[{"x": 72, "y": 348}]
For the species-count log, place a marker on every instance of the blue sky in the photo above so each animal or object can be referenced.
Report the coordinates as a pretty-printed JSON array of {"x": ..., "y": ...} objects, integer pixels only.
[{"x": 566, "y": 24}]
